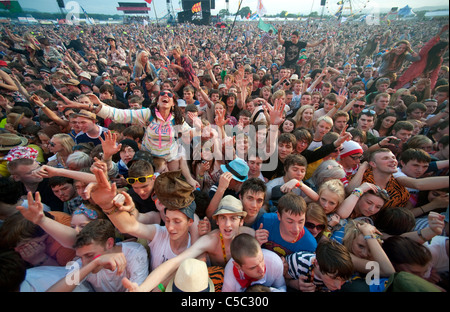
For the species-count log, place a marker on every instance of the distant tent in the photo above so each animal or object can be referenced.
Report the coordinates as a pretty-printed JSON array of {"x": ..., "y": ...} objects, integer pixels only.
[{"x": 406, "y": 12}]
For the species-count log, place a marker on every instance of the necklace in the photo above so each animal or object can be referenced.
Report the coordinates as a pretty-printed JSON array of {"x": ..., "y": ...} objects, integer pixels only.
[{"x": 223, "y": 248}]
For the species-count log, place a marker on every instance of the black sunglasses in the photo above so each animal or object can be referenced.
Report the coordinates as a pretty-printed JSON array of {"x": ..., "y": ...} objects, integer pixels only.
[
  {"x": 162, "y": 93},
  {"x": 312, "y": 226}
]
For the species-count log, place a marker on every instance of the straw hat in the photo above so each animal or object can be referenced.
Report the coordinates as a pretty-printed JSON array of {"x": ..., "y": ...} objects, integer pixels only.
[
  {"x": 9, "y": 140},
  {"x": 14, "y": 119},
  {"x": 191, "y": 276},
  {"x": 230, "y": 205}
]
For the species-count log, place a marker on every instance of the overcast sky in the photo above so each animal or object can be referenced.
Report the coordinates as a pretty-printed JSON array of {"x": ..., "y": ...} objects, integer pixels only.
[{"x": 272, "y": 6}]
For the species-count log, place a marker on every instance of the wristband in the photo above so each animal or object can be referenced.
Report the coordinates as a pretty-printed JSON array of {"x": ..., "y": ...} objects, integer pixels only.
[
  {"x": 420, "y": 235},
  {"x": 111, "y": 211},
  {"x": 357, "y": 192},
  {"x": 299, "y": 184},
  {"x": 374, "y": 236}
]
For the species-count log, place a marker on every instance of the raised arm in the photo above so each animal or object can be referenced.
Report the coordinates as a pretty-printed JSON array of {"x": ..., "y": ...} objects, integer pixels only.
[
  {"x": 63, "y": 234},
  {"x": 376, "y": 251},
  {"x": 424, "y": 184},
  {"x": 169, "y": 267}
]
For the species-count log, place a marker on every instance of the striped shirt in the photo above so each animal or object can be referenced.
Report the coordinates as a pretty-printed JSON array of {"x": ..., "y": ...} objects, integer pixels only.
[
  {"x": 301, "y": 263},
  {"x": 160, "y": 138}
]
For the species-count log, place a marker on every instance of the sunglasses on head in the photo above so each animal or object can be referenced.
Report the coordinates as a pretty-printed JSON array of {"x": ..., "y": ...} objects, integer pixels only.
[
  {"x": 383, "y": 193},
  {"x": 162, "y": 93},
  {"x": 369, "y": 111},
  {"x": 131, "y": 181},
  {"x": 312, "y": 226}
]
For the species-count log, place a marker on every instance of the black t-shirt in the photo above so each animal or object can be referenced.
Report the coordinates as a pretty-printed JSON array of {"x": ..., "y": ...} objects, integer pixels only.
[
  {"x": 47, "y": 196},
  {"x": 292, "y": 52},
  {"x": 142, "y": 205}
]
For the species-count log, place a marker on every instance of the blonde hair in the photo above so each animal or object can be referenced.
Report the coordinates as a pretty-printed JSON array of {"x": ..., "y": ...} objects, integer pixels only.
[
  {"x": 335, "y": 186},
  {"x": 66, "y": 141},
  {"x": 299, "y": 116},
  {"x": 351, "y": 233},
  {"x": 139, "y": 67},
  {"x": 278, "y": 94},
  {"x": 325, "y": 118}
]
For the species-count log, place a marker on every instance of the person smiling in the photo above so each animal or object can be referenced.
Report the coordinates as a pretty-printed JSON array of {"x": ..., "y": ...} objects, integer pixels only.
[{"x": 379, "y": 170}]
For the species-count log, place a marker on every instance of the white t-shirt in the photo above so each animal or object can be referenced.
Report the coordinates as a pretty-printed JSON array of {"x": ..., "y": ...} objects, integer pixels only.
[
  {"x": 160, "y": 249},
  {"x": 399, "y": 173},
  {"x": 136, "y": 270},
  {"x": 273, "y": 277},
  {"x": 439, "y": 253},
  {"x": 41, "y": 278}
]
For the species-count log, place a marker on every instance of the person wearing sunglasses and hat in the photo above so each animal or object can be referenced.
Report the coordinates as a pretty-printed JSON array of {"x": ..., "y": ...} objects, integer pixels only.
[
  {"x": 350, "y": 156},
  {"x": 216, "y": 244},
  {"x": 163, "y": 123},
  {"x": 115, "y": 53}
]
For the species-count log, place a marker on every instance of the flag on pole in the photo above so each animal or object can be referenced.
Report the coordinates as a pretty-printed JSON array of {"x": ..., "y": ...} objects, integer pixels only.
[
  {"x": 266, "y": 27},
  {"x": 197, "y": 7},
  {"x": 260, "y": 9},
  {"x": 148, "y": 1},
  {"x": 254, "y": 16}
]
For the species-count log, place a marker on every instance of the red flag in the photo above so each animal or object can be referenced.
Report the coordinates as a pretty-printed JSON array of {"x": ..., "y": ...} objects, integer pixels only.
[
  {"x": 248, "y": 15},
  {"x": 197, "y": 7},
  {"x": 148, "y": 1}
]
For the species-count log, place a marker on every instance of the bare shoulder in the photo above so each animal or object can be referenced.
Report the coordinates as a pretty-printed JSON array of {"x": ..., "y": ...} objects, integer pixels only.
[{"x": 247, "y": 230}]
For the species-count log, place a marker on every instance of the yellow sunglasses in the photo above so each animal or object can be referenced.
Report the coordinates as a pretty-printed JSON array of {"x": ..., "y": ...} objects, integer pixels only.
[{"x": 138, "y": 179}]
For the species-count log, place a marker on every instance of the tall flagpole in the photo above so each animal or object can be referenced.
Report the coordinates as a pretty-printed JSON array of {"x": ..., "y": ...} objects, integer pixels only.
[
  {"x": 231, "y": 30},
  {"x": 153, "y": 2}
]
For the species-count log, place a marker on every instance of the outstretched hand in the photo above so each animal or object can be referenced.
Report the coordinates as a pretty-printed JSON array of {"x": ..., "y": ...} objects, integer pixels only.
[
  {"x": 102, "y": 192},
  {"x": 35, "y": 210}
]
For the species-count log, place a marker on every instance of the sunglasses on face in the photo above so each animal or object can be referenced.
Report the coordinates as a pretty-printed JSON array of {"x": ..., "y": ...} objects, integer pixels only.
[
  {"x": 359, "y": 106},
  {"x": 162, "y": 93},
  {"x": 312, "y": 226},
  {"x": 131, "y": 181},
  {"x": 354, "y": 157},
  {"x": 51, "y": 144}
]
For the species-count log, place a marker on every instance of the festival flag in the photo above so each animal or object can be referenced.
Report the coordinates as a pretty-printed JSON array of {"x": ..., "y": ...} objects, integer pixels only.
[
  {"x": 148, "y": 1},
  {"x": 266, "y": 27},
  {"x": 197, "y": 7},
  {"x": 254, "y": 16},
  {"x": 248, "y": 15},
  {"x": 260, "y": 9}
]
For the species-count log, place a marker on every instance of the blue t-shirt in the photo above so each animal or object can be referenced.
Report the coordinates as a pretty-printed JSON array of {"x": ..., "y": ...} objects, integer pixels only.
[{"x": 277, "y": 244}]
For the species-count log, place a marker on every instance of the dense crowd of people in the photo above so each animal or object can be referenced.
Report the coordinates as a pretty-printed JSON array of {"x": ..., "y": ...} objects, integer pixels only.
[{"x": 201, "y": 159}]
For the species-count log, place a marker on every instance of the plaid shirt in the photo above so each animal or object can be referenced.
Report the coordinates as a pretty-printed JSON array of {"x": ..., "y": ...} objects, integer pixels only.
[{"x": 72, "y": 204}]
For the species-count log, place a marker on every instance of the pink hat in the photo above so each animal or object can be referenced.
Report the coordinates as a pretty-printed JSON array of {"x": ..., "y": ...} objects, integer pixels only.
[
  {"x": 21, "y": 152},
  {"x": 350, "y": 148}
]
